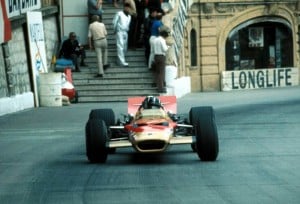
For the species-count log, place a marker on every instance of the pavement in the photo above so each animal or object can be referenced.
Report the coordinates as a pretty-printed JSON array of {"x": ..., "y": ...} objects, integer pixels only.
[
  {"x": 43, "y": 159},
  {"x": 240, "y": 97},
  {"x": 77, "y": 114}
]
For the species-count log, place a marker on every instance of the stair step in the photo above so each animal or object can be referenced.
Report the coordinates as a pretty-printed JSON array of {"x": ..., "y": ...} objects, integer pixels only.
[
  {"x": 135, "y": 72},
  {"x": 115, "y": 81},
  {"x": 114, "y": 69},
  {"x": 126, "y": 87},
  {"x": 113, "y": 59},
  {"x": 116, "y": 92},
  {"x": 130, "y": 52},
  {"x": 119, "y": 83},
  {"x": 111, "y": 98},
  {"x": 92, "y": 66},
  {"x": 113, "y": 76},
  {"x": 93, "y": 70}
]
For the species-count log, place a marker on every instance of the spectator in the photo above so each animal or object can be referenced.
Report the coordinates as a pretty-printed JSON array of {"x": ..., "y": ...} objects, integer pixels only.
[
  {"x": 71, "y": 49},
  {"x": 171, "y": 63},
  {"x": 132, "y": 7},
  {"x": 97, "y": 40},
  {"x": 160, "y": 48},
  {"x": 157, "y": 23},
  {"x": 121, "y": 22},
  {"x": 133, "y": 14},
  {"x": 156, "y": 5},
  {"x": 147, "y": 32},
  {"x": 115, "y": 2},
  {"x": 94, "y": 8},
  {"x": 134, "y": 38}
]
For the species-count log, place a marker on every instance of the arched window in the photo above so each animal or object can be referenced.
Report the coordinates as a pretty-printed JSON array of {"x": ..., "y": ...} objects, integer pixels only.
[
  {"x": 193, "y": 47},
  {"x": 260, "y": 43}
]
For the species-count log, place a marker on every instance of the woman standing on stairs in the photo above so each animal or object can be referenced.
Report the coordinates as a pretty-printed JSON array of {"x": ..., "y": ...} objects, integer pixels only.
[{"x": 97, "y": 33}]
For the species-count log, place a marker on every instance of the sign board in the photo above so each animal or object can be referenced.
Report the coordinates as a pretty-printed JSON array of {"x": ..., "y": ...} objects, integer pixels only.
[
  {"x": 37, "y": 47},
  {"x": 17, "y": 7},
  {"x": 256, "y": 37},
  {"x": 259, "y": 78},
  {"x": 5, "y": 28}
]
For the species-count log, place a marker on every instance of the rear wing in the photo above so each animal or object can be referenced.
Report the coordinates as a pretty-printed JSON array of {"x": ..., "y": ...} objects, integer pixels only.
[{"x": 169, "y": 103}]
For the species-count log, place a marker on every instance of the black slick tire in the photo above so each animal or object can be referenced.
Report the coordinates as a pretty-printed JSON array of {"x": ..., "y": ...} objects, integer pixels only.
[
  {"x": 96, "y": 138},
  {"x": 107, "y": 115},
  {"x": 205, "y": 129}
]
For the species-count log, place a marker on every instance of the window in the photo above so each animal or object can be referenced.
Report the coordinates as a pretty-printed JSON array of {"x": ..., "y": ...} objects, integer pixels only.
[
  {"x": 259, "y": 45},
  {"x": 193, "y": 46}
]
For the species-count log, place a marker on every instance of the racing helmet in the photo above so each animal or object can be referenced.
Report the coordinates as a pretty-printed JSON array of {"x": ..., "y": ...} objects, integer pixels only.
[{"x": 151, "y": 102}]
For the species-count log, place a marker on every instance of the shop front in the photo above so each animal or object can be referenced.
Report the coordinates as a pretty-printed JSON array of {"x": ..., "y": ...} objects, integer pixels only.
[
  {"x": 259, "y": 54},
  {"x": 260, "y": 43},
  {"x": 243, "y": 44}
]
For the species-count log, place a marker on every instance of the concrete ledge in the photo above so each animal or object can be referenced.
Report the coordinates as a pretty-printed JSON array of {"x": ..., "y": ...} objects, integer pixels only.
[
  {"x": 179, "y": 87},
  {"x": 16, "y": 103}
]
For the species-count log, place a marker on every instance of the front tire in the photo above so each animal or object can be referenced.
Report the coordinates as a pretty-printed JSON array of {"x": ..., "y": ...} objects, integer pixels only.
[
  {"x": 205, "y": 129},
  {"x": 107, "y": 115},
  {"x": 96, "y": 138}
]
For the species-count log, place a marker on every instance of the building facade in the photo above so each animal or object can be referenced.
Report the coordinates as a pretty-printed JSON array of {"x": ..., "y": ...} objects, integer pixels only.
[{"x": 241, "y": 44}]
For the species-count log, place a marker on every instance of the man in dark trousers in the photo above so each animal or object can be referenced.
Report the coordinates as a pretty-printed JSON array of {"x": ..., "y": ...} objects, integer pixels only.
[
  {"x": 71, "y": 49},
  {"x": 134, "y": 36},
  {"x": 160, "y": 48}
]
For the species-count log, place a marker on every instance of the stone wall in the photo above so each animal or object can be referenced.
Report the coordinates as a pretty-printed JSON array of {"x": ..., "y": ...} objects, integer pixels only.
[
  {"x": 19, "y": 75},
  {"x": 3, "y": 81},
  {"x": 15, "y": 75},
  {"x": 51, "y": 31}
]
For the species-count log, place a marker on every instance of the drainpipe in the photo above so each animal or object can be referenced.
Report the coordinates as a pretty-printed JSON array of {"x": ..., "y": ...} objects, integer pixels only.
[
  {"x": 8, "y": 69},
  {"x": 200, "y": 46}
]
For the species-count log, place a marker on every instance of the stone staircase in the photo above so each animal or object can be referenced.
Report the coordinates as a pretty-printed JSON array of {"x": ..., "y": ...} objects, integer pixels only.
[{"x": 118, "y": 83}]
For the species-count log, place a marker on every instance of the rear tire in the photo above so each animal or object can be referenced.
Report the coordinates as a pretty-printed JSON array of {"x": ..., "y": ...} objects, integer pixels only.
[
  {"x": 96, "y": 138},
  {"x": 205, "y": 129}
]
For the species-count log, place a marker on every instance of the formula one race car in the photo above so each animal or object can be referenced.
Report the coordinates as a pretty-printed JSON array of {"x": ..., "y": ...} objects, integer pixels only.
[{"x": 150, "y": 126}]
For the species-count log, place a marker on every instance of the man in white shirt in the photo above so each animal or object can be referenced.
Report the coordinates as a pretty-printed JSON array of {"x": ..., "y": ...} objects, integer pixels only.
[
  {"x": 121, "y": 24},
  {"x": 160, "y": 48}
]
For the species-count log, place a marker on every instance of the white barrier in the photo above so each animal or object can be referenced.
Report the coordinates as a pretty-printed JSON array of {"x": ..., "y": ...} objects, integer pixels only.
[
  {"x": 16, "y": 103},
  {"x": 50, "y": 87}
]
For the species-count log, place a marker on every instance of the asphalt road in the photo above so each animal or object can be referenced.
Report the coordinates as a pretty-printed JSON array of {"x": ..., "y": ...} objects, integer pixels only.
[{"x": 42, "y": 156}]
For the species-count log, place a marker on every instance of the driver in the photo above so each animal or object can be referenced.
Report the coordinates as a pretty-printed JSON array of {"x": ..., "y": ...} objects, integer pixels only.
[{"x": 151, "y": 102}]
